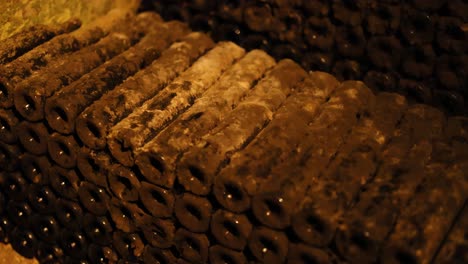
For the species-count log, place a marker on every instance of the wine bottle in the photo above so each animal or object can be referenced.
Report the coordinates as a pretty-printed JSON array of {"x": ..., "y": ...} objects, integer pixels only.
[
  {"x": 42, "y": 198},
  {"x": 191, "y": 246},
  {"x": 30, "y": 94},
  {"x": 74, "y": 244},
  {"x": 24, "y": 242},
  {"x": 45, "y": 227},
  {"x": 19, "y": 213},
  {"x": 193, "y": 212},
  {"x": 394, "y": 183},
  {"x": 33, "y": 137},
  {"x": 268, "y": 246},
  {"x": 159, "y": 232},
  {"x": 230, "y": 230},
  {"x": 35, "y": 168},
  {"x": 127, "y": 216},
  {"x": 416, "y": 27},
  {"x": 157, "y": 255},
  {"x": 319, "y": 33},
  {"x": 98, "y": 254},
  {"x": 158, "y": 201},
  {"x": 14, "y": 186},
  {"x": 198, "y": 166},
  {"x": 220, "y": 254},
  {"x": 129, "y": 246},
  {"x": 65, "y": 105},
  {"x": 49, "y": 253},
  {"x": 63, "y": 150},
  {"x": 157, "y": 158},
  {"x": 26, "y": 40},
  {"x": 8, "y": 123},
  {"x": 69, "y": 214},
  {"x": 41, "y": 56},
  {"x": 64, "y": 182},
  {"x": 156, "y": 113},
  {"x": 93, "y": 124},
  {"x": 6, "y": 226},
  {"x": 123, "y": 183},
  {"x": 9, "y": 156},
  {"x": 98, "y": 229},
  {"x": 94, "y": 166},
  {"x": 94, "y": 198}
]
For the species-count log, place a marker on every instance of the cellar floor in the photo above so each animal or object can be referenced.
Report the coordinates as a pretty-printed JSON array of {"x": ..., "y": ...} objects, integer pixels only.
[{"x": 9, "y": 256}]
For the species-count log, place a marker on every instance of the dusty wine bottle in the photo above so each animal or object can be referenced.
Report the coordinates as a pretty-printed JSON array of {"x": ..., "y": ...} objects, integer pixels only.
[
  {"x": 384, "y": 52},
  {"x": 33, "y": 137},
  {"x": 129, "y": 246},
  {"x": 320, "y": 33},
  {"x": 98, "y": 229},
  {"x": 349, "y": 13},
  {"x": 69, "y": 214},
  {"x": 230, "y": 230},
  {"x": 418, "y": 62},
  {"x": 456, "y": 245},
  {"x": 42, "y": 198},
  {"x": 156, "y": 113},
  {"x": 159, "y": 202},
  {"x": 19, "y": 213},
  {"x": 383, "y": 18},
  {"x": 123, "y": 183},
  {"x": 74, "y": 243},
  {"x": 9, "y": 157},
  {"x": 443, "y": 188},
  {"x": 35, "y": 168},
  {"x": 193, "y": 212},
  {"x": 268, "y": 245},
  {"x": 192, "y": 246},
  {"x": 158, "y": 255},
  {"x": 199, "y": 165},
  {"x": 303, "y": 254},
  {"x": 93, "y": 123},
  {"x": 220, "y": 254},
  {"x": 65, "y": 105},
  {"x": 416, "y": 27},
  {"x": 381, "y": 81},
  {"x": 94, "y": 198},
  {"x": 14, "y": 186},
  {"x": 64, "y": 182},
  {"x": 159, "y": 232},
  {"x": 345, "y": 70},
  {"x": 45, "y": 227},
  {"x": 94, "y": 166},
  {"x": 350, "y": 42},
  {"x": 48, "y": 253},
  {"x": 157, "y": 158},
  {"x": 6, "y": 226},
  {"x": 30, "y": 94},
  {"x": 26, "y": 40},
  {"x": 233, "y": 176},
  {"x": 398, "y": 174},
  {"x": 98, "y": 254},
  {"x": 41, "y": 56},
  {"x": 63, "y": 150},
  {"x": 127, "y": 216},
  {"x": 316, "y": 223},
  {"x": 24, "y": 242},
  {"x": 8, "y": 124}
]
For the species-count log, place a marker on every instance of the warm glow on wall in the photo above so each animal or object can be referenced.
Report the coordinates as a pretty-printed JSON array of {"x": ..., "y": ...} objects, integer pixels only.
[{"x": 19, "y": 14}]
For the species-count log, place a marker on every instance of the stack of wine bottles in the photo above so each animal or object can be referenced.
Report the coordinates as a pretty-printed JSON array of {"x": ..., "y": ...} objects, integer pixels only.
[
  {"x": 416, "y": 48},
  {"x": 135, "y": 140}
]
